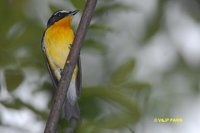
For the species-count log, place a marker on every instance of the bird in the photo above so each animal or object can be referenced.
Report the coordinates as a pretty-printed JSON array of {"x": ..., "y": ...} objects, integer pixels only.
[{"x": 56, "y": 44}]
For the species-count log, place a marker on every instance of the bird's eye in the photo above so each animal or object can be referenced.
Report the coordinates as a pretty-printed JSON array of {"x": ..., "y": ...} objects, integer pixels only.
[{"x": 59, "y": 14}]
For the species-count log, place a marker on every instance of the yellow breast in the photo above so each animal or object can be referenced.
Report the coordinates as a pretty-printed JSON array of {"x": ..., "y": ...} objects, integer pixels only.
[
  {"x": 58, "y": 40},
  {"x": 58, "y": 44}
]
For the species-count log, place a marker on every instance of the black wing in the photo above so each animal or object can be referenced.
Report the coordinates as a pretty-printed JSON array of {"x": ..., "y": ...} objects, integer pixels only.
[
  {"x": 53, "y": 77},
  {"x": 79, "y": 77}
]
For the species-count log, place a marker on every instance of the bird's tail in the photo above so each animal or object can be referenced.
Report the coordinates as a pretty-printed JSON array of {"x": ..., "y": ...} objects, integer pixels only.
[{"x": 71, "y": 111}]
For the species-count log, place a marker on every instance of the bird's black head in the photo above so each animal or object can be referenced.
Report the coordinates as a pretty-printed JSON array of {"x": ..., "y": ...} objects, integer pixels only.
[{"x": 58, "y": 15}]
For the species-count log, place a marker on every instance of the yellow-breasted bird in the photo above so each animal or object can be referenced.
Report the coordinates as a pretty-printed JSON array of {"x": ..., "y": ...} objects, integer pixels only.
[{"x": 56, "y": 44}]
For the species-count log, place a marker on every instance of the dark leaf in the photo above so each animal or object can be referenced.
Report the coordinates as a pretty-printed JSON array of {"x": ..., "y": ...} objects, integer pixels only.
[
  {"x": 122, "y": 73},
  {"x": 18, "y": 104},
  {"x": 118, "y": 120},
  {"x": 46, "y": 86},
  {"x": 96, "y": 45},
  {"x": 13, "y": 77},
  {"x": 86, "y": 102},
  {"x": 79, "y": 4},
  {"x": 100, "y": 27},
  {"x": 155, "y": 24},
  {"x": 136, "y": 85},
  {"x": 112, "y": 7}
]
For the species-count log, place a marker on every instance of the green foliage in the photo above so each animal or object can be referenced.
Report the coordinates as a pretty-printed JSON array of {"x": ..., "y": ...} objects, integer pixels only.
[
  {"x": 95, "y": 45},
  {"x": 129, "y": 113},
  {"x": 100, "y": 27},
  {"x": 108, "y": 93},
  {"x": 18, "y": 104},
  {"x": 107, "y": 8},
  {"x": 114, "y": 105},
  {"x": 154, "y": 25},
  {"x": 14, "y": 78},
  {"x": 78, "y": 4},
  {"x": 87, "y": 102},
  {"x": 123, "y": 72},
  {"x": 46, "y": 86},
  {"x": 21, "y": 44},
  {"x": 115, "y": 94},
  {"x": 136, "y": 85}
]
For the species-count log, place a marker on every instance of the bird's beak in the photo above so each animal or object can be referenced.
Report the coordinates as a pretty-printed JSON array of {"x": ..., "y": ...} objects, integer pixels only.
[{"x": 74, "y": 12}]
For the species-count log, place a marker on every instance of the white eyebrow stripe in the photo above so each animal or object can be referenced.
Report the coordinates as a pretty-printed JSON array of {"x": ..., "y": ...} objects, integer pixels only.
[{"x": 62, "y": 11}]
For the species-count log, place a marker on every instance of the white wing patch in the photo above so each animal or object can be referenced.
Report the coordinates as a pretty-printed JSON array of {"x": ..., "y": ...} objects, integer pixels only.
[{"x": 71, "y": 93}]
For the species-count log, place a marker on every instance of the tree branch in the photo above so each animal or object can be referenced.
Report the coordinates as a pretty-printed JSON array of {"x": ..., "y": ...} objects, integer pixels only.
[{"x": 71, "y": 61}]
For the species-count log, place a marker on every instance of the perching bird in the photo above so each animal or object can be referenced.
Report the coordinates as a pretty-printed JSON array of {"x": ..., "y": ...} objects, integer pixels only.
[{"x": 56, "y": 44}]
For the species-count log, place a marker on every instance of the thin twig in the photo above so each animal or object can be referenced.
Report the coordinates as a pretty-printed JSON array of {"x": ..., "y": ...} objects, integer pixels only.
[{"x": 51, "y": 125}]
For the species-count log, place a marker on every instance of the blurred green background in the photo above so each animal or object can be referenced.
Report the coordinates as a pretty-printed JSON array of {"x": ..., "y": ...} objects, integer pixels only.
[{"x": 140, "y": 61}]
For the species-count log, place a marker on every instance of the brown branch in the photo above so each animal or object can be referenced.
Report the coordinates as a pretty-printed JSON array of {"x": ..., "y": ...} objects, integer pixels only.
[{"x": 59, "y": 97}]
